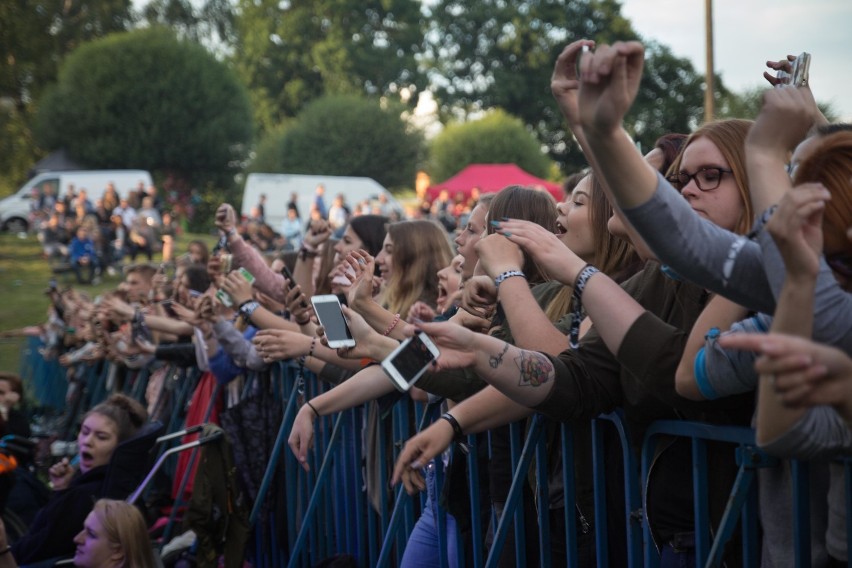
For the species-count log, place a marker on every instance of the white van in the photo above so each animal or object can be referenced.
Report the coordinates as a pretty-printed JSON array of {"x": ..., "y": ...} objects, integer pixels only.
[
  {"x": 279, "y": 187},
  {"x": 15, "y": 209}
]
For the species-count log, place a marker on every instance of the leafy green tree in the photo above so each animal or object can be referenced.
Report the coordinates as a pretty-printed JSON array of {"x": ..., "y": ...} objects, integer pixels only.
[
  {"x": 496, "y": 138},
  {"x": 494, "y": 53},
  {"x": 345, "y": 135},
  {"x": 289, "y": 53},
  {"x": 36, "y": 35},
  {"x": 144, "y": 99}
]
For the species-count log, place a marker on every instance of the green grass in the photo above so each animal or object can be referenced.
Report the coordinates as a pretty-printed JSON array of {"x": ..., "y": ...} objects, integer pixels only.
[{"x": 24, "y": 275}]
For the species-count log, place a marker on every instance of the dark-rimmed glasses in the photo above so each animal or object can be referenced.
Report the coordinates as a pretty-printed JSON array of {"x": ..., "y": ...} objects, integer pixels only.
[{"x": 706, "y": 179}]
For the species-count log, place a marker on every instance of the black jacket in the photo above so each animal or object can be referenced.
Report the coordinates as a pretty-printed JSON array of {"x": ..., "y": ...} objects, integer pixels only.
[{"x": 54, "y": 528}]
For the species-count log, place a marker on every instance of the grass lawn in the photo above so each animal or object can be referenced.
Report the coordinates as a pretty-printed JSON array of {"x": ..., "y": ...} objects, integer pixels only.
[{"x": 24, "y": 275}]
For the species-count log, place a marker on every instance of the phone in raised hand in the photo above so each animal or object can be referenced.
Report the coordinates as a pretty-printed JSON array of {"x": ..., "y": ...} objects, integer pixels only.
[{"x": 330, "y": 315}]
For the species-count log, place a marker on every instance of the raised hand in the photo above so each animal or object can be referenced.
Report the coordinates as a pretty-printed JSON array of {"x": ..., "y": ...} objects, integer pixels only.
[
  {"x": 497, "y": 254},
  {"x": 796, "y": 227},
  {"x": 785, "y": 65},
  {"x": 565, "y": 84},
  {"x": 226, "y": 218},
  {"x": 237, "y": 287},
  {"x": 363, "y": 265},
  {"x": 551, "y": 254},
  {"x": 609, "y": 82},
  {"x": 784, "y": 120}
]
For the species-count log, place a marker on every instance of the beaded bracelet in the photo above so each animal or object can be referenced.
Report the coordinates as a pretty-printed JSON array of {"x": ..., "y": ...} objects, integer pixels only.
[
  {"x": 577, "y": 313},
  {"x": 392, "y": 325}
]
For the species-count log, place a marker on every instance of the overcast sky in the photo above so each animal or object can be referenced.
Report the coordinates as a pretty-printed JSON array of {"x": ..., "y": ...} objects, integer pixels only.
[{"x": 748, "y": 32}]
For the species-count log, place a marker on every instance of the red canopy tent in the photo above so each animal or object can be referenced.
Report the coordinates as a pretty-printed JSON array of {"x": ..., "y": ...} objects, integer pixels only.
[{"x": 490, "y": 178}]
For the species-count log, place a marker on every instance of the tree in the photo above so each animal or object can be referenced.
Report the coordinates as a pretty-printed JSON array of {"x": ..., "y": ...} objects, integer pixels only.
[
  {"x": 145, "y": 99},
  {"x": 36, "y": 35},
  {"x": 345, "y": 135},
  {"x": 496, "y": 138},
  {"x": 494, "y": 53},
  {"x": 289, "y": 53}
]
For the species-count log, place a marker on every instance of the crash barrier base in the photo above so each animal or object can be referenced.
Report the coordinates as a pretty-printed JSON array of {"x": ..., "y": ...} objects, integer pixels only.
[{"x": 302, "y": 518}]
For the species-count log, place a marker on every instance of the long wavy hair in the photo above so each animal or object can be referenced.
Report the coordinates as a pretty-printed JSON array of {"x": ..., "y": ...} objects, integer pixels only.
[{"x": 420, "y": 249}]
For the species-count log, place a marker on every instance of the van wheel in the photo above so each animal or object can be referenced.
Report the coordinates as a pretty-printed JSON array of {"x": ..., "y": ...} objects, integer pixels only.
[{"x": 16, "y": 225}]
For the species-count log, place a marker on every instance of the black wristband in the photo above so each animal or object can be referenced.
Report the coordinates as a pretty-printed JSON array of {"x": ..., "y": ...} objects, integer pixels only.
[
  {"x": 244, "y": 303},
  {"x": 457, "y": 429}
]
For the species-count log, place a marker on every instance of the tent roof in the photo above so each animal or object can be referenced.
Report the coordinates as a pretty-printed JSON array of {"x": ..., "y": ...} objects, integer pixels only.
[
  {"x": 55, "y": 162},
  {"x": 490, "y": 178}
]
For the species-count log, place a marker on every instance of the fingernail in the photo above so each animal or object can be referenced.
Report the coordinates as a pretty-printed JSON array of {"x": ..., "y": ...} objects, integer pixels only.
[
  {"x": 507, "y": 234},
  {"x": 495, "y": 223},
  {"x": 505, "y": 218},
  {"x": 416, "y": 465}
]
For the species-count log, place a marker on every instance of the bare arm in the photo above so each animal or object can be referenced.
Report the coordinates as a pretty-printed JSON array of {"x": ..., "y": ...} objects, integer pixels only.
[{"x": 719, "y": 313}]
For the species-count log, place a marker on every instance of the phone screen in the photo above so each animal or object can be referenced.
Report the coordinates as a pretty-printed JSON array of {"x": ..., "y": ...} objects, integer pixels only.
[
  {"x": 332, "y": 320},
  {"x": 413, "y": 359}
]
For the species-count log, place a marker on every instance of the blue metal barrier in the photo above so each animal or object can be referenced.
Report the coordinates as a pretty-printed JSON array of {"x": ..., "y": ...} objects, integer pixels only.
[{"x": 328, "y": 512}]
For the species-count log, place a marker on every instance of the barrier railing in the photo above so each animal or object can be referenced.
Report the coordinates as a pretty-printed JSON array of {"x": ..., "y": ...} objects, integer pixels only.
[{"x": 327, "y": 510}]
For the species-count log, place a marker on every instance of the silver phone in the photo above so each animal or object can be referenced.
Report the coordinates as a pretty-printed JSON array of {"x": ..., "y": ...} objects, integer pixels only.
[{"x": 330, "y": 316}]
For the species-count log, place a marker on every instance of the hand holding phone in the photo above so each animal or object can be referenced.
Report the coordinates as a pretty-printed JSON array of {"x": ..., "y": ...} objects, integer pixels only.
[
  {"x": 330, "y": 315},
  {"x": 410, "y": 360}
]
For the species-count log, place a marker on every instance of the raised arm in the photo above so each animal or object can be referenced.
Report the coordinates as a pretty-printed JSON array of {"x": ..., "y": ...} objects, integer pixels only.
[
  {"x": 612, "y": 310},
  {"x": 797, "y": 229},
  {"x": 530, "y": 326}
]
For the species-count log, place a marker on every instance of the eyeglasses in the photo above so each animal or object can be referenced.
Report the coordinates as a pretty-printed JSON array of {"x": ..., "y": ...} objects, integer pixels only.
[
  {"x": 841, "y": 263},
  {"x": 706, "y": 179}
]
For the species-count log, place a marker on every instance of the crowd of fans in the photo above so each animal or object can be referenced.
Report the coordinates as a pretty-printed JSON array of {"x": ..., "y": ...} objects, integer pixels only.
[
  {"x": 707, "y": 281},
  {"x": 95, "y": 236}
]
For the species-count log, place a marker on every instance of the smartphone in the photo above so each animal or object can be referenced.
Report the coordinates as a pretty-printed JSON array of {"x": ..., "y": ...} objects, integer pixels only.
[
  {"x": 224, "y": 297},
  {"x": 330, "y": 316},
  {"x": 798, "y": 75},
  {"x": 288, "y": 274},
  {"x": 410, "y": 360}
]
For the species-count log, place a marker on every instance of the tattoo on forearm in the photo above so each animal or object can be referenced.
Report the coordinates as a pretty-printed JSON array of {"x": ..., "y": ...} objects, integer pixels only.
[
  {"x": 495, "y": 360},
  {"x": 536, "y": 369}
]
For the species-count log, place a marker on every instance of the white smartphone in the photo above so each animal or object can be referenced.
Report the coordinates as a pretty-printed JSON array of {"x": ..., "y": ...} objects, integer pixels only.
[
  {"x": 330, "y": 316},
  {"x": 410, "y": 360}
]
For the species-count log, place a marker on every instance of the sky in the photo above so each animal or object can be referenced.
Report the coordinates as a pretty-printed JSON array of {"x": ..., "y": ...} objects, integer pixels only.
[{"x": 749, "y": 32}]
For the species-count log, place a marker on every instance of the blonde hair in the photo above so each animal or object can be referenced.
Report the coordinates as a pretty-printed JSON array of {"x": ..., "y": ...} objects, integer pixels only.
[
  {"x": 124, "y": 527},
  {"x": 420, "y": 249},
  {"x": 729, "y": 137}
]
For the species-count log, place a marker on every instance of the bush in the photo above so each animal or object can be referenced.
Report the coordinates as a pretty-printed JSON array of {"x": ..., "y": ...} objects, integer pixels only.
[
  {"x": 495, "y": 139},
  {"x": 346, "y": 136}
]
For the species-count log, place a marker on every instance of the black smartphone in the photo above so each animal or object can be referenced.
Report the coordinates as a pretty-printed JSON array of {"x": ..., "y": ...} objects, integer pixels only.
[{"x": 410, "y": 360}]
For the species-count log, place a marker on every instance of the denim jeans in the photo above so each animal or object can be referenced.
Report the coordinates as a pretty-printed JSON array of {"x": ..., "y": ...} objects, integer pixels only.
[{"x": 422, "y": 549}]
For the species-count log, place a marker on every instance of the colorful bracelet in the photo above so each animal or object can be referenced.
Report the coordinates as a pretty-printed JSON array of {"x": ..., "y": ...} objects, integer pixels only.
[{"x": 392, "y": 325}]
